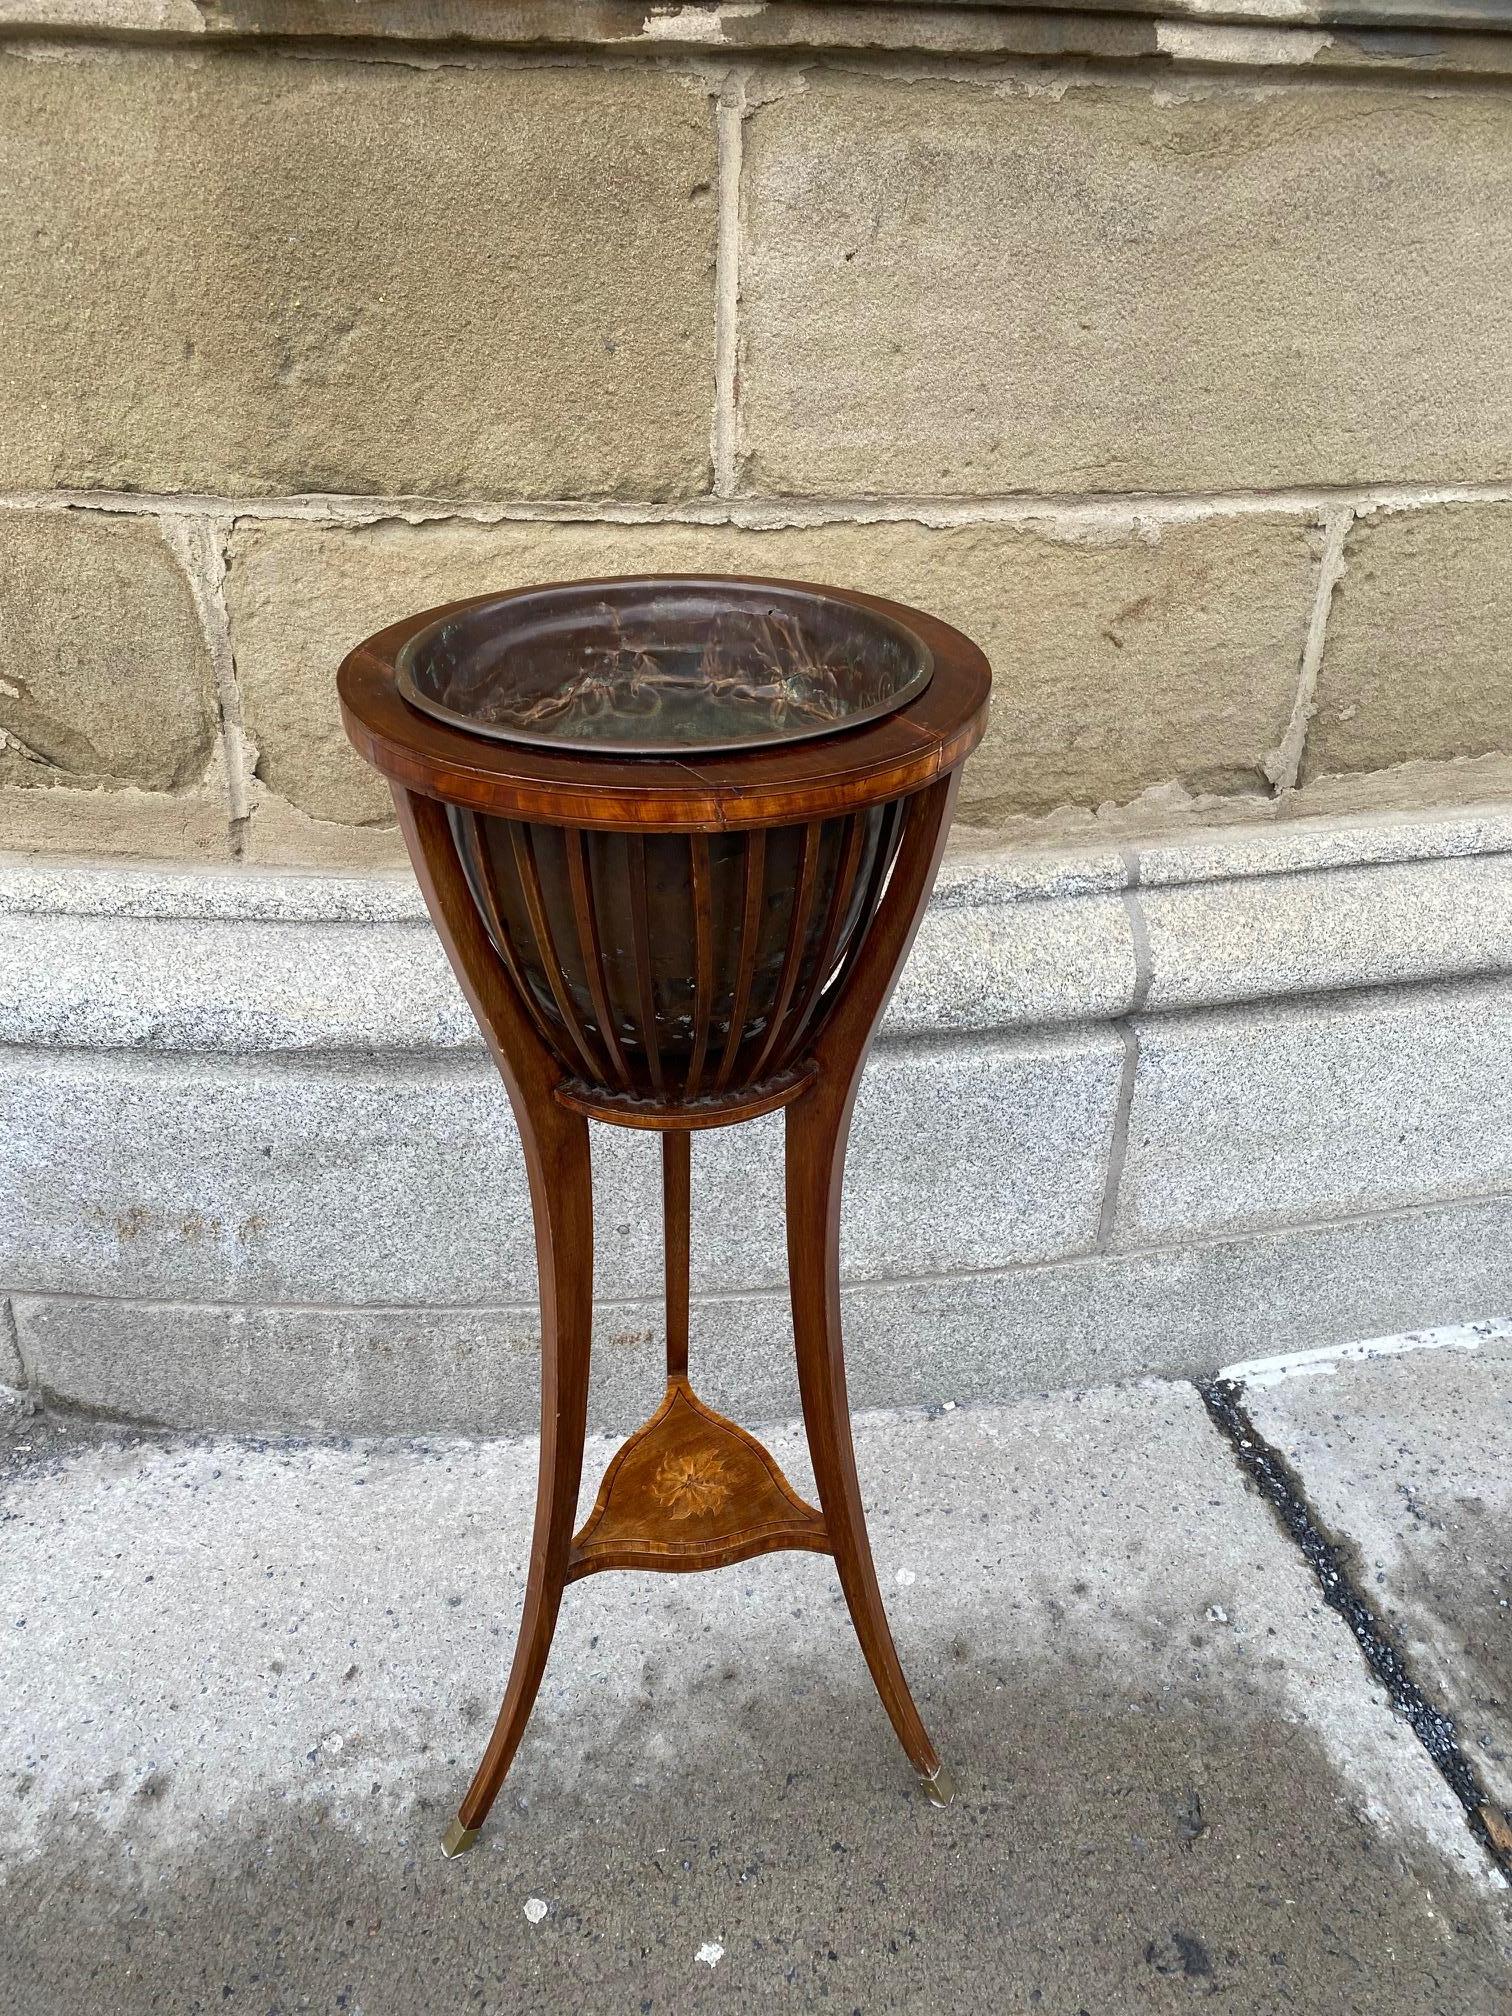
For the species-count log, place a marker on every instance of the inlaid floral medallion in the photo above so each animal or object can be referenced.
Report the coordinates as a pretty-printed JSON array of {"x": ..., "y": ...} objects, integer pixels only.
[
  {"x": 691, "y": 1481},
  {"x": 692, "y": 1490}
]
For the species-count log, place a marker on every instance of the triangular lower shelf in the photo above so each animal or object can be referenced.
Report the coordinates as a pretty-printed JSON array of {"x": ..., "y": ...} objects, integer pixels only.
[{"x": 692, "y": 1490}]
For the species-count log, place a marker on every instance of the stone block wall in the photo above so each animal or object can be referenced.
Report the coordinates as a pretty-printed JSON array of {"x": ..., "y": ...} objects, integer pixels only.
[{"x": 1167, "y": 357}]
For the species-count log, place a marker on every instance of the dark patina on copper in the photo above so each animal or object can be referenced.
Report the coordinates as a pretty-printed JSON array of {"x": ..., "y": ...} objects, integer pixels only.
[{"x": 664, "y": 666}]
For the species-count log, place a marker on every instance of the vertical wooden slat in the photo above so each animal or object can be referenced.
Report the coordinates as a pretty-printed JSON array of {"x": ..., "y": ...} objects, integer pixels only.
[
  {"x": 640, "y": 933},
  {"x": 750, "y": 940},
  {"x": 890, "y": 833},
  {"x": 530, "y": 883},
  {"x": 792, "y": 958},
  {"x": 703, "y": 960},
  {"x": 475, "y": 837},
  {"x": 847, "y": 864},
  {"x": 592, "y": 949}
]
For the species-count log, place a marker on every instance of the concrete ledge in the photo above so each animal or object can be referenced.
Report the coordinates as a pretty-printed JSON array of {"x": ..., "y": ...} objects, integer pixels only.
[
  {"x": 258, "y": 1173},
  {"x": 991, "y": 1336},
  {"x": 241, "y": 961}
]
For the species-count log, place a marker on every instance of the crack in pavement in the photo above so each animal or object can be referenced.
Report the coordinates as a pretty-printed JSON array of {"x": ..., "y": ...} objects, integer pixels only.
[{"x": 1282, "y": 1490}]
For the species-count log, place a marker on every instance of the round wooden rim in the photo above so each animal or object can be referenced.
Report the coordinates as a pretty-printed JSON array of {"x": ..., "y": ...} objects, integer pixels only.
[{"x": 866, "y": 764}]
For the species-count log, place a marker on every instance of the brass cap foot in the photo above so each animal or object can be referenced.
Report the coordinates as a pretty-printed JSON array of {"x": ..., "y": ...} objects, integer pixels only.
[
  {"x": 940, "y": 1789},
  {"x": 457, "y": 1839}
]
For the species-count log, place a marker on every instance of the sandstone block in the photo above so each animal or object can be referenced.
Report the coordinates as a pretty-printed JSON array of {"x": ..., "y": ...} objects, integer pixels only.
[
  {"x": 239, "y": 272},
  {"x": 1418, "y": 659},
  {"x": 958, "y": 289},
  {"x": 1119, "y": 663},
  {"x": 120, "y": 824},
  {"x": 105, "y": 678}
]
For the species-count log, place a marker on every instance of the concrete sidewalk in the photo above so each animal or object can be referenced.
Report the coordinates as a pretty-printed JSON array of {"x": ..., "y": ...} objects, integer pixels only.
[{"x": 245, "y": 1683}]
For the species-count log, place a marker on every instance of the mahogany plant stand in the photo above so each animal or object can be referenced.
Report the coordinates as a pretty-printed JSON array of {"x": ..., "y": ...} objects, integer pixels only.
[{"x": 673, "y": 945}]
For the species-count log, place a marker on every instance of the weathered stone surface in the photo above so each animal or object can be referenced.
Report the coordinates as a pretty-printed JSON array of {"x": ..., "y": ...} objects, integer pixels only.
[
  {"x": 1274, "y": 34},
  {"x": 242, "y": 273},
  {"x": 146, "y": 891},
  {"x": 1404, "y": 1457},
  {"x": 278, "y": 834},
  {"x": 1118, "y": 662},
  {"x": 1281, "y": 934},
  {"x": 193, "y": 825},
  {"x": 971, "y": 1337},
  {"x": 12, "y": 1371},
  {"x": 1411, "y": 788},
  {"x": 374, "y": 982},
  {"x": 1113, "y": 1644},
  {"x": 399, "y": 1181},
  {"x": 1117, "y": 665},
  {"x": 1364, "y": 1102},
  {"x": 272, "y": 1369},
  {"x": 1434, "y": 834},
  {"x": 1418, "y": 659},
  {"x": 106, "y": 693},
  {"x": 135, "y": 17},
  {"x": 1411, "y": 792},
  {"x": 229, "y": 985},
  {"x": 956, "y": 289},
  {"x": 104, "y": 674}
]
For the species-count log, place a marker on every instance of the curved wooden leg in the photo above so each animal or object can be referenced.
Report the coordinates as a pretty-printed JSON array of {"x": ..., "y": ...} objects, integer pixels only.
[
  {"x": 555, "y": 1144},
  {"x": 563, "y": 1202},
  {"x": 817, "y": 1129}
]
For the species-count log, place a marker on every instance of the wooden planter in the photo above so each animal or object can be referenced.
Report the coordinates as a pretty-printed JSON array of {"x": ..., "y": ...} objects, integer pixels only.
[{"x": 676, "y": 939}]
